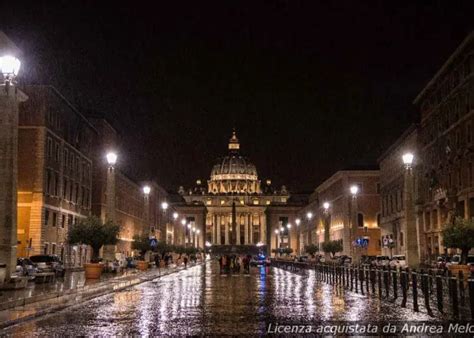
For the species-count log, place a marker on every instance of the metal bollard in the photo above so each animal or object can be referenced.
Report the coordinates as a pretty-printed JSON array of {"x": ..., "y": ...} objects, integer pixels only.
[
  {"x": 372, "y": 279},
  {"x": 386, "y": 282},
  {"x": 395, "y": 285},
  {"x": 471, "y": 297},
  {"x": 439, "y": 293},
  {"x": 461, "y": 289},
  {"x": 361, "y": 271},
  {"x": 454, "y": 296},
  {"x": 414, "y": 282},
  {"x": 379, "y": 281},
  {"x": 351, "y": 270},
  {"x": 404, "y": 285},
  {"x": 356, "y": 279},
  {"x": 367, "y": 279},
  {"x": 426, "y": 292}
]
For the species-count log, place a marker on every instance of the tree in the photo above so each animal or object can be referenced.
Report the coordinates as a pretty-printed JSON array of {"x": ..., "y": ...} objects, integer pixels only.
[
  {"x": 311, "y": 249},
  {"x": 332, "y": 247},
  {"x": 459, "y": 235},
  {"x": 142, "y": 244},
  {"x": 91, "y": 231}
]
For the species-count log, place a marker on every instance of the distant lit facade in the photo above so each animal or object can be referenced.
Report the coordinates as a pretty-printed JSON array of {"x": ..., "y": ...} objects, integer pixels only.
[{"x": 260, "y": 209}]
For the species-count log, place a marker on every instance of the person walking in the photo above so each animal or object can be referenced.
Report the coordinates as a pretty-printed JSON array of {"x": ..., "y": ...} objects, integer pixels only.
[{"x": 185, "y": 261}]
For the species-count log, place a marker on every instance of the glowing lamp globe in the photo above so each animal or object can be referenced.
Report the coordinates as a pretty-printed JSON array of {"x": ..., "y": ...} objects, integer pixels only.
[
  {"x": 354, "y": 190},
  {"x": 408, "y": 159},
  {"x": 111, "y": 158},
  {"x": 164, "y": 205},
  {"x": 9, "y": 66},
  {"x": 146, "y": 190}
]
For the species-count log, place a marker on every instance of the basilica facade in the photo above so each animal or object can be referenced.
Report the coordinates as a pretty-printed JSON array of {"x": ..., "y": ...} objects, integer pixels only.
[{"x": 235, "y": 207}]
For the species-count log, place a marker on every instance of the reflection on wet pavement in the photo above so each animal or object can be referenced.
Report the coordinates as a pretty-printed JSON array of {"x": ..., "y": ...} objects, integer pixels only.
[{"x": 200, "y": 301}]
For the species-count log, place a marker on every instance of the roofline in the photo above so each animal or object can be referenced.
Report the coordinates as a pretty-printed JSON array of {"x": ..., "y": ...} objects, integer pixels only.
[
  {"x": 408, "y": 132},
  {"x": 339, "y": 174},
  {"x": 456, "y": 52}
]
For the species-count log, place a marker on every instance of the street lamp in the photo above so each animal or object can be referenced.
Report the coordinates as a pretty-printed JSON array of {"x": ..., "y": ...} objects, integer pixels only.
[
  {"x": 297, "y": 222},
  {"x": 164, "y": 206},
  {"x": 183, "y": 222},
  {"x": 276, "y": 241},
  {"x": 9, "y": 67},
  {"x": 354, "y": 190},
  {"x": 111, "y": 158},
  {"x": 309, "y": 215},
  {"x": 326, "y": 206},
  {"x": 408, "y": 160},
  {"x": 175, "y": 215},
  {"x": 288, "y": 225},
  {"x": 298, "y": 239},
  {"x": 146, "y": 190}
]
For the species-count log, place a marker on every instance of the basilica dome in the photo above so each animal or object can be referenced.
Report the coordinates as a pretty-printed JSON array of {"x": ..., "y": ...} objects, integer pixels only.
[{"x": 234, "y": 173}]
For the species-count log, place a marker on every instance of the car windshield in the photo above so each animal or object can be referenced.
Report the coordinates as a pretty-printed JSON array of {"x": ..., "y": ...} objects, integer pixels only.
[
  {"x": 41, "y": 259},
  {"x": 382, "y": 258}
]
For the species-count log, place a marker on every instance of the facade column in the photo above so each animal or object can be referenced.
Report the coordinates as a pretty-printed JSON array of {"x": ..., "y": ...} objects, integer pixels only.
[
  {"x": 226, "y": 234},
  {"x": 250, "y": 229},
  {"x": 218, "y": 230},
  {"x": 237, "y": 230},
  {"x": 246, "y": 225},
  {"x": 262, "y": 228},
  {"x": 213, "y": 228}
]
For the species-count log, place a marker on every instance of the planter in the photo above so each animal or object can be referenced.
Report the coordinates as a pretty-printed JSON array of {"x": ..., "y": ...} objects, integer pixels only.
[
  {"x": 142, "y": 265},
  {"x": 93, "y": 270},
  {"x": 466, "y": 270}
]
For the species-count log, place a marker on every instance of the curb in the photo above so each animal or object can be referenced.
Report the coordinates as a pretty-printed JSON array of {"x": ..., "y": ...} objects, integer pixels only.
[{"x": 91, "y": 294}]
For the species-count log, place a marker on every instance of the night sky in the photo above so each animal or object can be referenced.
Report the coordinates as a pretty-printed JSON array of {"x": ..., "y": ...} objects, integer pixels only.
[{"x": 311, "y": 87}]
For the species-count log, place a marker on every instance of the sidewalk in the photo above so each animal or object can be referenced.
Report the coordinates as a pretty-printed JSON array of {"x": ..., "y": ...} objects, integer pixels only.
[{"x": 39, "y": 299}]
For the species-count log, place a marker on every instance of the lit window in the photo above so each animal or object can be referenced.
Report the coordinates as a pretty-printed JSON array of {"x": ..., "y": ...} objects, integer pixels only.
[
  {"x": 256, "y": 202},
  {"x": 267, "y": 202},
  {"x": 222, "y": 202}
]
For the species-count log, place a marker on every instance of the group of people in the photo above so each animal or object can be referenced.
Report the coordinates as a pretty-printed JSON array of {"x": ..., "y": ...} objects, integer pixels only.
[{"x": 234, "y": 263}]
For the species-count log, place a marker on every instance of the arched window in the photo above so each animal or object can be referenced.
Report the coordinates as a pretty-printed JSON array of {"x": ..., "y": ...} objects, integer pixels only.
[{"x": 360, "y": 220}]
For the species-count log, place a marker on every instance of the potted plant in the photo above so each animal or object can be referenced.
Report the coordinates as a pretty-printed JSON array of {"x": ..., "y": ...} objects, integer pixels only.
[
  {"x": 311, "y": 249},
  {"x": 332, "y": 247},
  {"x": 141, "y": 243},
  {"x": 459, "y": 235},
  {"x": 91, "y": 231}
]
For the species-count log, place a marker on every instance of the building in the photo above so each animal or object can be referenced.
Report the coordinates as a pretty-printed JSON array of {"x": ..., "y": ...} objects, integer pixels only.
[
  {"x": 235, "y": 208},
  {"x": 137, "y": 213},
  {"x": 343, "y": 210},
  {"x": 446, "y": 147},
  {"x": 55, "y": 147},
  {"x": 393, "y": 223}
]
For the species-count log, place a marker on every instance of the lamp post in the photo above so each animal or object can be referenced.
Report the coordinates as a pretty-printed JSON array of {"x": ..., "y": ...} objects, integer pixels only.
[
  {"x": 197, "y": 237},
  {"x": 298, "y": 239},
  {"x": 309, "y": 217},
  {"x": 111, "y": 158},
  {"x": 183, "y": 223},
  {"x": 276, "y": 241},
  {"x": 189, "y": 230},
  {"x": 326, "y": 221},
  {"x": 288, "y": 227},
  {"x": 9, "y": 100},
  {"x": 354, "y": 189},
  {"x": 411, "y": 234},
  {"x": 146, "y": 194},
  {"x": 175, "y": 218},
  {"x": 164, "y": 207}
]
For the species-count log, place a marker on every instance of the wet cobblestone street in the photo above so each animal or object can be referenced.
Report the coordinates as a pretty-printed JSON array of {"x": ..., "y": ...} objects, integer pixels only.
[{"x": 201, "y": 301}]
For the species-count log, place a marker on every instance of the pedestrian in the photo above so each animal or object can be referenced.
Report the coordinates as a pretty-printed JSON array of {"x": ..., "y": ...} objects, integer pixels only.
[
  {"x": 185, "y": 261},
  {"x": 224, "y": 264},
  {"x": 221, "y": 259},
  {"x": 157, "y": 261}
]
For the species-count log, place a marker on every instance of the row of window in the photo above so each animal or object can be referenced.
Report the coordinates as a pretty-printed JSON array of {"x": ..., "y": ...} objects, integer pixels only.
[
  {"x": 70, "y": 190},
  {"x": 71, "y": 162},
  {"x": 57, "y": 219},
  {"x": 392, "y": 203},
  {"x": 449, "y": 82}
]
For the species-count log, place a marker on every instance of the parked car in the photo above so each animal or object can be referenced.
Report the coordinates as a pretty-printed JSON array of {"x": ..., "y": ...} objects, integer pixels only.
[
  {"x": 368, "y": 260},
  {"x": 381, "y": 261},
  {"x": 25, "y": 267},
  {"x": 398, "y": 261},
  {"x": 49, "y": 263}
]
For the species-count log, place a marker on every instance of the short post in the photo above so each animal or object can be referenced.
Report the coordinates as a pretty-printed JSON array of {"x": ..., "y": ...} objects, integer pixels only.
[
  {"x": 414, "y": 282},
  {"x": 404, "y": 285},
  {"x": 454, "y": 296},
  {"x": 471, "y": 297},
  {"x": 351, "y": 270},
  {"x": 367, "y": 279},
  {"x": 379, "y": 281},
  {"x": 356, "y": 273},
  {"x": 361, "y": 271},
  {"x": 372, "y": 279},
  {"x": 439, "y": 293},
  {"x": 385, "y": 282},
  {"x": 462, "y": 295},
  {"x": 395, "y": 284},
  {"x": 426, "y": 291}
]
